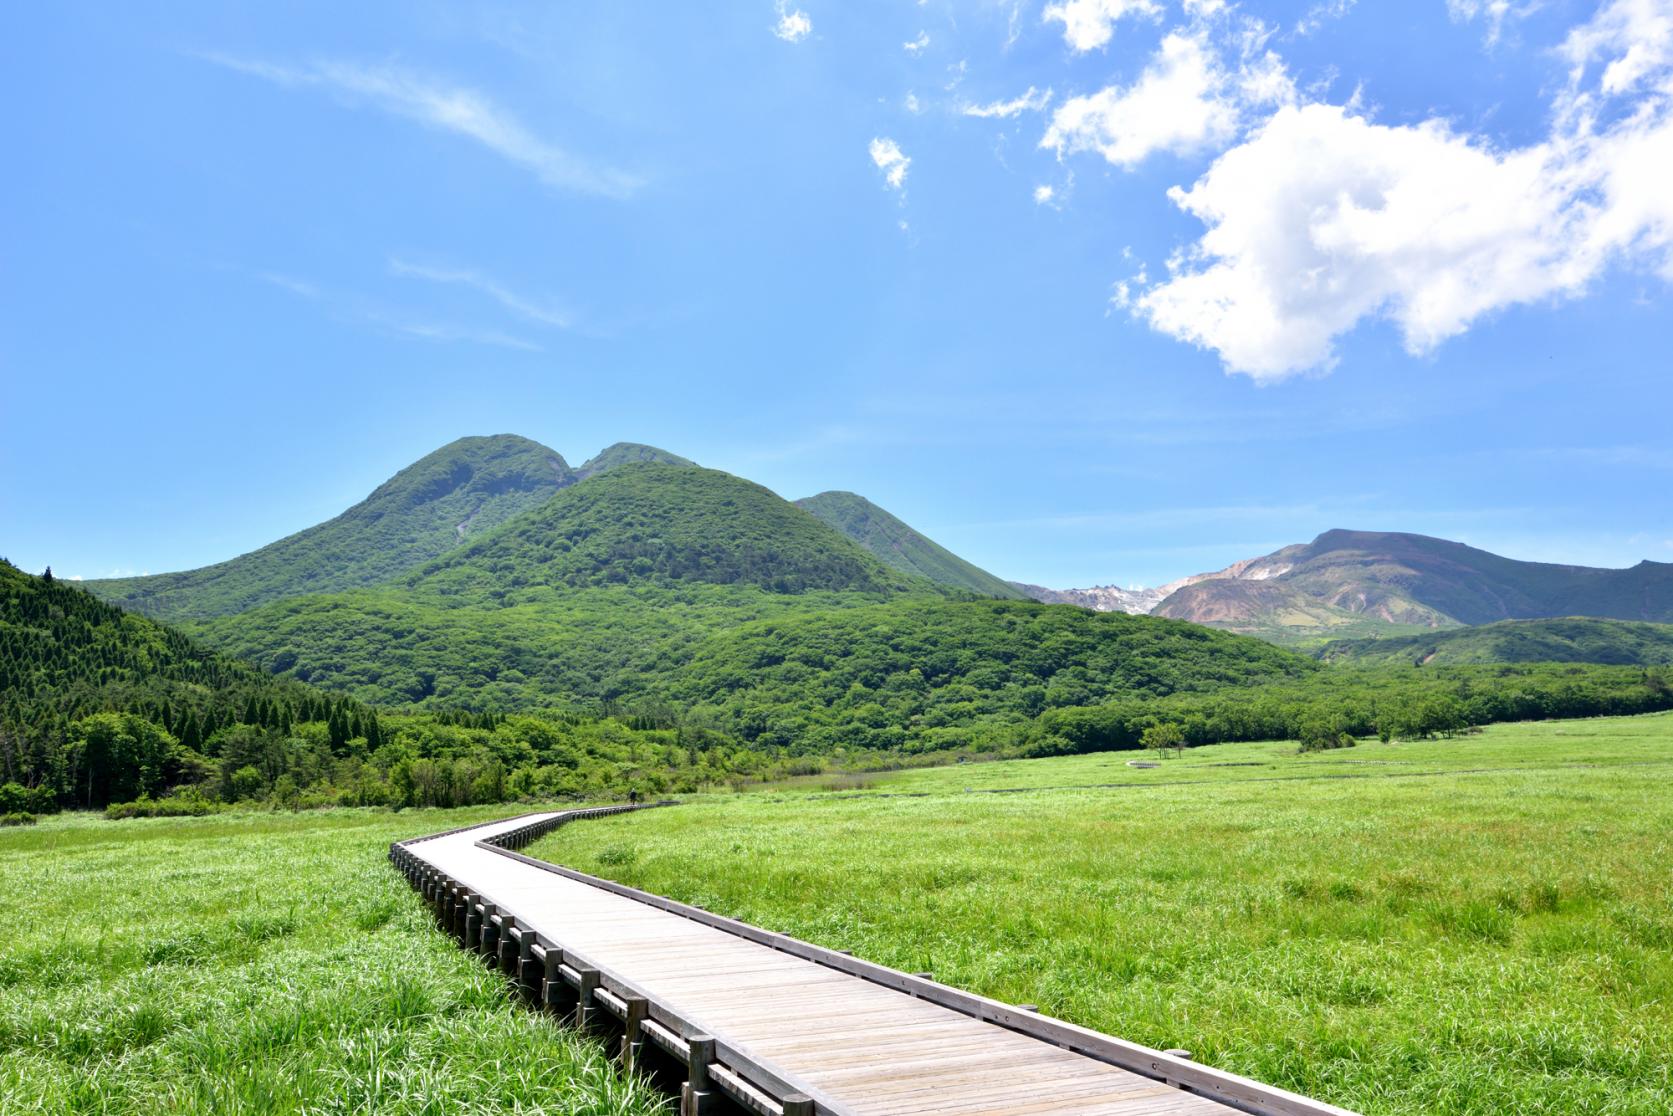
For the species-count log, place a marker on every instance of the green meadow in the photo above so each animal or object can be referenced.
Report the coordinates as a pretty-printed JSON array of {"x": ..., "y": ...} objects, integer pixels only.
[
  {"x": 1475, "y": 925},
  {"x": 260, "y": 963}
]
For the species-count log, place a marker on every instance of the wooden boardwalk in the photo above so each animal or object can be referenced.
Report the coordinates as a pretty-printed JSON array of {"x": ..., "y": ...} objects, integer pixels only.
[{"x": 739, "y": 1018}]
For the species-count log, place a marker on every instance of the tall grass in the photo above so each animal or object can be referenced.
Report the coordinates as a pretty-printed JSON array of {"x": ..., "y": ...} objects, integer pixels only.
[
  {"x": 1473, "y": 926},
  {"x": 260, "y": 964}
]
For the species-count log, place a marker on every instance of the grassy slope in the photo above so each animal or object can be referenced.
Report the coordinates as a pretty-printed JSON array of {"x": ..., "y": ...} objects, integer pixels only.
[
  {"x": 1567, "y": 640},
  {"x": 424, "y": 510},
  {"x": 1479, "y": 941},
  {"x": 260, "y": 964},
  {"x": 900, "y": 546}
]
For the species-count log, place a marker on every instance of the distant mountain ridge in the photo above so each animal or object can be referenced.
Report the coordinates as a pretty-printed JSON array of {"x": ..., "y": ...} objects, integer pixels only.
[
  {"x": 1369, "y": 583},
  {"x": 1099, "y": 598},
  {"x": 898, "y": 545}
]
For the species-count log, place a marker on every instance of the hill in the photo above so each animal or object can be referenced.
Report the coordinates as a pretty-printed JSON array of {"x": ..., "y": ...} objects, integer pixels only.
[
  {"x": 1565, "y": 640},
  {"x": 900, "y": 546},
  {"x": 425, "y": 510},
  {"x": 1413, "y": 581},
  {"x": 662, "y": 524},
  {"x": 66, "y": 655},
  {"x": 923, "y": 674}
]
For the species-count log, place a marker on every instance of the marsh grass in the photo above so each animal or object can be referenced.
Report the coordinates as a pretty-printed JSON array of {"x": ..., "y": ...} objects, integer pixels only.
[
  {"x": 260, "y": 963},
  {"x": 1481, "y": 925}
]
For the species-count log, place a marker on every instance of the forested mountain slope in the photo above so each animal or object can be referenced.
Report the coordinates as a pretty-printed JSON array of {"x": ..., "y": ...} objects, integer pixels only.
[
  {"x": 659, "y": 524},
  {"x": 1570, "y": 639},
  {"x": 425, "y": 510},
  {"x": 65, "y": 655},
  {"x": 900, "y": 546}
]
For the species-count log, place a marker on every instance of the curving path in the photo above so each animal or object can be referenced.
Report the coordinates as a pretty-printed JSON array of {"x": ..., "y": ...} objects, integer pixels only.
[{"x": 740, "y": 1018}]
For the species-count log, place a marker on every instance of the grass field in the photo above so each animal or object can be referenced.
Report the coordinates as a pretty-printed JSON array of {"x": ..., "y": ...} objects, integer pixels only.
[
  {"x": 1480, "y": 925},
  {"x": 260, "y": 963}
]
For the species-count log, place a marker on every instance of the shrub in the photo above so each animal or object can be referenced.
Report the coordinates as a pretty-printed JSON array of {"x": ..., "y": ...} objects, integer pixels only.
[
  {"x": 18, "y": 799},
  {"x": 187, "y": 803},
  {"x": 17, "y": 818}
]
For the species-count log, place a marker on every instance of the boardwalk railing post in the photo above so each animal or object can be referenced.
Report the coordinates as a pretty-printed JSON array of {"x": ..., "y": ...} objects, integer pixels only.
[
  {"x": 510, "y": 937},
  {"x": 528, "y": 973},
  {"x": 633, "y": 1042},
  {"x": 697, "y": 1096},
  {"x": 487, "y": 945},
  {"x": 797, "y": 1104},
  {"x": 554, "y": 990},
  {"x": 586, "y": 1007},
  {"x": 473, "y": 922}
]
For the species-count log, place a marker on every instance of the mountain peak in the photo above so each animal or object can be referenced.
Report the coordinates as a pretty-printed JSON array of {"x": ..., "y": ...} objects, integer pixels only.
[
  {"x": 628, "y": 453},
  {"x": 423, "y": 511},
  {"x": 662, "y": 524}
]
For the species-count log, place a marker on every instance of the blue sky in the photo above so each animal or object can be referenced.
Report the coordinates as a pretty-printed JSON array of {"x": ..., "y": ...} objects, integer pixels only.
[{"x": 1096, "y": 291}]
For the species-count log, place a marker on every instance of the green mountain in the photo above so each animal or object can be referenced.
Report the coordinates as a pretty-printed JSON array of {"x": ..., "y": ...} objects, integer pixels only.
[
  {"x": 628, "y": 453},
  {"x": 425, "y": 510},
  {"x": 901, "y": 547},
  {"x": 922, "y": 674},
  {"x": 658, "y": 524},
  {"x": 1564, "y": 640},
  {"x": 66, "y": 655},
  {"x": 1410, "y": 581}
]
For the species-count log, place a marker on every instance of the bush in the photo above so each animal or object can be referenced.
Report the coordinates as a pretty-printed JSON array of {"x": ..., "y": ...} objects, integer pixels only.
[
  {"x": 187, "y": 803},
  {"x": 17, "y": 818},
  {"x": 1321, "y": 736},
  {"x": 18, "y": 799}
]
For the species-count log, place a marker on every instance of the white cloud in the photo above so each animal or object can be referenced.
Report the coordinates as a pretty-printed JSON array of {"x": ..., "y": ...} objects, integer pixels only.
[
  {"x": 453, "y": 109},
  {"x": 912, "y": 104},
  {"x": 544, "y": 312},
  {"x": 1044, "y": 194},
  {"x": 1323, "y": 219},
  {"x": 917, "y": 45},
  {"x": 1494, "y": 13},
  {"x": 1032, "y": 101},
  {"x": 1203, "y": 9},
  {"x": 889, "y": 159},
  {"x": 1634, "y": 39},
  {"x": 792, "y": 26},
  {"x": 1089, "y": 24},
  {"x": 1185, "y": 100},
  {"x": 1326, "y": 10}
]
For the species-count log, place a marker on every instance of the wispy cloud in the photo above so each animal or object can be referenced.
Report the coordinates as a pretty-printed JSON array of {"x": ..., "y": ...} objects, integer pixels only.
[
  {"x": 793, "y": 25},
  {"x": 456, "y": 109},
  {"x": 360, "y": 310},
  {"x": 542, "y": 311},
  {"x": 891, "y": 160},
  {"x": 445, "y": 332},
  {"x": 1032, "y": 101}
]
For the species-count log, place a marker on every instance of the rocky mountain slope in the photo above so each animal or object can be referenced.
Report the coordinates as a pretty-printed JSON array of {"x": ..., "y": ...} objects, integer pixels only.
[{"x": 1369, "y": 583}]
